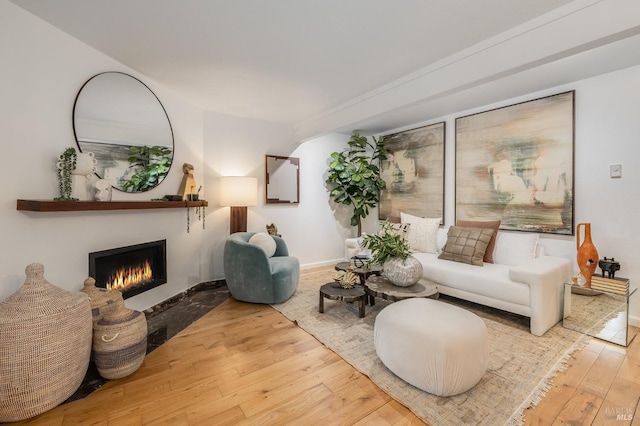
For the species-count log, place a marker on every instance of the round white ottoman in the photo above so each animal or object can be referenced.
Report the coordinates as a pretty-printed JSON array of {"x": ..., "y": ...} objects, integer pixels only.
[{"x": 437, "y": 347}]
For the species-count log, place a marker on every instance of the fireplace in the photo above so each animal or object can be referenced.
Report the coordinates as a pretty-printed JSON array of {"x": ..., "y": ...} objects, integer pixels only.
[{"x": 131, "y": 269}]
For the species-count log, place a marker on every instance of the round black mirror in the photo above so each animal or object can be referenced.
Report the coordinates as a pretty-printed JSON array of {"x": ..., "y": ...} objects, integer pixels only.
[{"x": 120, "y": 120}]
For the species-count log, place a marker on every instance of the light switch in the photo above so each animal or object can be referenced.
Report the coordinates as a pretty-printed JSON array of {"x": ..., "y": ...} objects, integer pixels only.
[{"x": 616, "y": 170}]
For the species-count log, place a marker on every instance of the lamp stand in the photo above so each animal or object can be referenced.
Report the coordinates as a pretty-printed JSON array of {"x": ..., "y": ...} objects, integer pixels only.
[{"x": 238, "y": 219}]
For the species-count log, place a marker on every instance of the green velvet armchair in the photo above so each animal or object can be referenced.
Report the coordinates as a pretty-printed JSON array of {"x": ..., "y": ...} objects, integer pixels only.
[{"x": 253, "y": 277}]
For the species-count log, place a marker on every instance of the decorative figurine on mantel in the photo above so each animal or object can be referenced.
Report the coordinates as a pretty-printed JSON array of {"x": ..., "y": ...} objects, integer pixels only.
[
  {"x": 272, "y": 229},
  {"x": 102, "y": 190},
  {"x": 188, "y": 185}
]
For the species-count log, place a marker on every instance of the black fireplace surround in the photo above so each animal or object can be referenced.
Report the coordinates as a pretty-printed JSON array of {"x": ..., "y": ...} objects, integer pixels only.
[{"x": 112, "y": 265}]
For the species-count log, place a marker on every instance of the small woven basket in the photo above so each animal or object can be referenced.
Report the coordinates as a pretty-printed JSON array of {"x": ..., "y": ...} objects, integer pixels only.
[
  {"x": 45, "y": 345},
  {"x": 102, "y": 300},
  {"x": 119, "y": 342}
]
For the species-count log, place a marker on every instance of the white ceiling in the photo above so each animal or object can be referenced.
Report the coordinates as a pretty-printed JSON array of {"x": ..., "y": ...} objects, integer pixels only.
[{"x": 300, "y": 61}]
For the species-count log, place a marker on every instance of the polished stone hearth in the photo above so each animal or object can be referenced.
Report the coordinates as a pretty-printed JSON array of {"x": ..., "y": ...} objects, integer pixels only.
[{"x": 165, "y": 321}]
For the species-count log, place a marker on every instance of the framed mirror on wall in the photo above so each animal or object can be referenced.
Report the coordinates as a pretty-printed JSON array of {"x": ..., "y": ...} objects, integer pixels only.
[
  {"x": 282, "y": 179},
  {"x": 120, "y": 120}
]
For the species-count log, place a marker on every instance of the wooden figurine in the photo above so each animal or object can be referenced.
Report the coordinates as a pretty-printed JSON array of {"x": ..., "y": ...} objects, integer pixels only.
[
  {"x": 188, "y": 185},
  {"x": 272, "y": 229}
]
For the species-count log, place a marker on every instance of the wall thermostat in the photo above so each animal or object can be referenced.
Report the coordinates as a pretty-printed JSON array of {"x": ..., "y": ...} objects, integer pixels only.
[{"x": 616, "y": 170}]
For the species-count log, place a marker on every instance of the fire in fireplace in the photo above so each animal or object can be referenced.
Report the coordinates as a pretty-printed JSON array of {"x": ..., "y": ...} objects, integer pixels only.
[{"x": 131, "y": 269}]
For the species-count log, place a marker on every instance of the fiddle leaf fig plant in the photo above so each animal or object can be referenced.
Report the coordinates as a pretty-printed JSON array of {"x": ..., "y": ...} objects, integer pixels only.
[
  {"x": 66, "y": 166},
  {"x": 354, "y": 176},
  {"x": 152, "y": 164}
]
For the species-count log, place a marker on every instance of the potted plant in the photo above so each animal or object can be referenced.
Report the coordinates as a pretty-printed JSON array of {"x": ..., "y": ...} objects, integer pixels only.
[
  {"x": 390, "y": 250},
  {"x": 65, "y": 168},
  {"x": 354, "y": 176}
]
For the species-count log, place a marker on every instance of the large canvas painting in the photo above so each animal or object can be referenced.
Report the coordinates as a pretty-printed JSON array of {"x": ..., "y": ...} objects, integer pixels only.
[
  {"x": 516, "y": 164},
  {"x": 414, "y": 173}
]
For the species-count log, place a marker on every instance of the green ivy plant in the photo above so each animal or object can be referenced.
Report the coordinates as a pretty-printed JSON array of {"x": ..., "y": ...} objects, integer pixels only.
[
  {"x": 66, "y": 166},
  {"x": 385, "y": 245},
  {"x": 153, "y": 163},
  {"x": 354, "y": 176}
]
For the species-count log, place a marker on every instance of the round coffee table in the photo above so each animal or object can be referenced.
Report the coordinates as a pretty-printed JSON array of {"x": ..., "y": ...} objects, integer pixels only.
[
  {"x": 334, "y": 291},
  {"x": 379, "y": 286}
]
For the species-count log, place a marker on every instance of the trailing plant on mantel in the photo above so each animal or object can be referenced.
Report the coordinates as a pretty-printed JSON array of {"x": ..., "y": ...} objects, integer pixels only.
[
  {"x": 354, "y": 175},
  {"x": 66, "y": 166}
]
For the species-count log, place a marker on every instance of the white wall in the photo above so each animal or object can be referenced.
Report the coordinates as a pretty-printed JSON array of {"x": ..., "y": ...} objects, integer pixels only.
[
  {"x": 237, "y": 146},
  {"x": 42, "y": 71}
]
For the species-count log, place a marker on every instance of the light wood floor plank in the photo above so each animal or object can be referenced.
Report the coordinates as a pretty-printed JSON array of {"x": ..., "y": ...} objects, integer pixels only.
[{"x": 246, "y": 364}]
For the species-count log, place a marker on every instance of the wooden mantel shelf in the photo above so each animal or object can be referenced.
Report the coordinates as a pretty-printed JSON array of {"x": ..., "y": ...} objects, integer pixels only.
[{"x": 77, "y": 206}]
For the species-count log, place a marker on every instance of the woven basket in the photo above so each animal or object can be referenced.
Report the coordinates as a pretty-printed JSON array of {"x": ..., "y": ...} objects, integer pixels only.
[
  {"x": 45, "y": 345},
  {"x": 119, "y": 342},
  {"x": 102, "y": 300}
]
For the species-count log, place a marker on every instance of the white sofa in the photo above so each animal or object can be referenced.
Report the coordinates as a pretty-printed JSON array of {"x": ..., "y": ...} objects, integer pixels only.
[
  {"x": 523, "y": 280},
  {"x": 530, "y": 287}
]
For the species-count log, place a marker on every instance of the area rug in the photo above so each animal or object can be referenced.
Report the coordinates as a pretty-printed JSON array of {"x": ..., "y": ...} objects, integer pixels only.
[{"x": 520, "y": 371}]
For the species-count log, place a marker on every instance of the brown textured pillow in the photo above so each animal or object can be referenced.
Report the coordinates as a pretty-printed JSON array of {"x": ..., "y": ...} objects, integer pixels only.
[
  {"x": 466, "y": 245},
  {"x": 490, "y": 224}
]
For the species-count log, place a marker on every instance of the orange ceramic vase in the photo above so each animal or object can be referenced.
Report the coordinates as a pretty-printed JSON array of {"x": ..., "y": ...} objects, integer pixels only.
[{"x": 587, "y": 254}]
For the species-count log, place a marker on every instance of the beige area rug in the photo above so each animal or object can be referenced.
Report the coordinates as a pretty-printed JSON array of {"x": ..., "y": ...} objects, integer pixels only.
[{"x": 520, "y": 369}]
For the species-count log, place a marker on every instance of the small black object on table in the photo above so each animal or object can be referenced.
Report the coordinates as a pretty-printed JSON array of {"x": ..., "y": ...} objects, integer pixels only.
[
  {"x": 334, "y": 291},
  {"x": 610, "y": 266}
]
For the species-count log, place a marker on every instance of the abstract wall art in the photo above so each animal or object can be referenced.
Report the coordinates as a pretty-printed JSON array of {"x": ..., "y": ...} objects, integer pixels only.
[
  {"x": 516, "y": 164},
  {"x": 414, "y": 173}
]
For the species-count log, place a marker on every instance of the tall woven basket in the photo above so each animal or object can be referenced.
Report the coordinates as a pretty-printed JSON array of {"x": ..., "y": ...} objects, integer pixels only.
[
  {"x": 45, "y": 345},
  {"x": 119, "y": 342}
]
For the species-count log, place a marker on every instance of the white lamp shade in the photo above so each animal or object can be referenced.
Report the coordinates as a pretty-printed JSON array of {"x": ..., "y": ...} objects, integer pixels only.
[{"x": 238, "y": 191}]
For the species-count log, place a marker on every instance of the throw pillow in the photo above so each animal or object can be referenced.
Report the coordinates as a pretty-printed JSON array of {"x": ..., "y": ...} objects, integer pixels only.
[
  {"x": 423, "y": 232},
  {"x": 515, "y": 249},
  {"x": 265, "y": 242},
  {"x": 466, "y": 245},
  {"x": 492, "y": 224}
]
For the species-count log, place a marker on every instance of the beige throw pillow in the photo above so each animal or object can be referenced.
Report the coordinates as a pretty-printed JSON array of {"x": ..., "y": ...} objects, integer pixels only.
[
  {"x": 466, "y": 245},
  {"x": 423, "y": 232}
]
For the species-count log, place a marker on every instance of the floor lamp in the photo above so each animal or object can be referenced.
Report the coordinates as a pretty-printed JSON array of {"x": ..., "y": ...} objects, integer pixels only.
[{"x": 238, "y": 192}]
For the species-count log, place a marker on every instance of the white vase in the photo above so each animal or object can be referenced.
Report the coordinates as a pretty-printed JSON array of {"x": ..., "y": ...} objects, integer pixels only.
[
  {"x": 85, "y": 164},
  {"x": 80, "y": 176},
  {"x": 403, "y": 273}
]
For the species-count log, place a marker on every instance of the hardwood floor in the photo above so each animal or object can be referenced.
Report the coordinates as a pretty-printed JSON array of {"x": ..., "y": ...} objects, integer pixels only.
[
  {"x": 600, "y": 387},
  {"x": 248, "y": 364}
]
